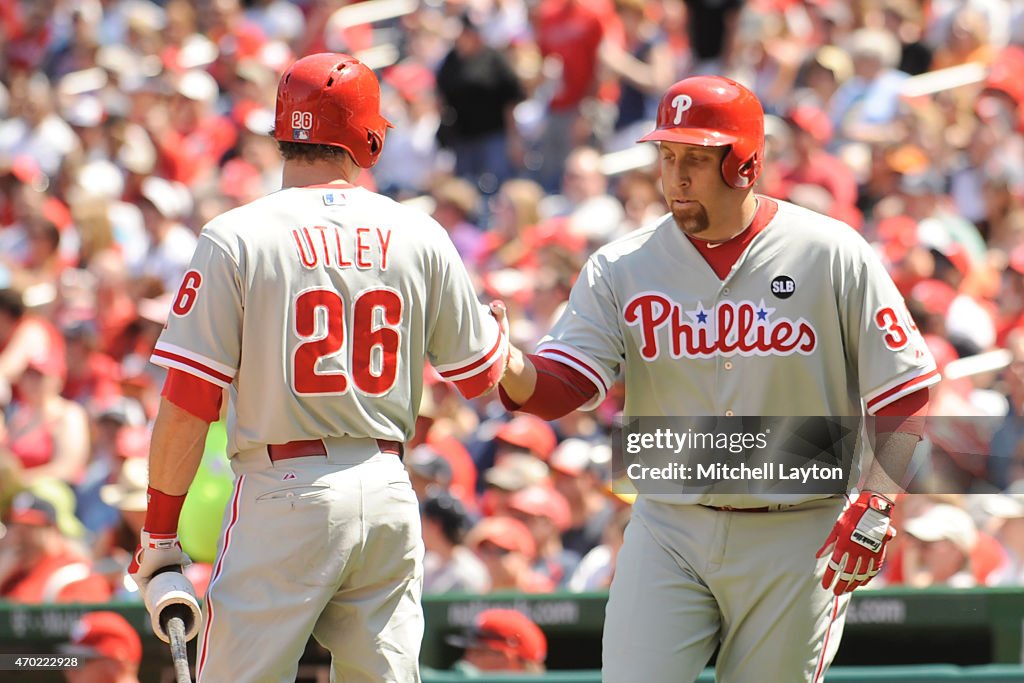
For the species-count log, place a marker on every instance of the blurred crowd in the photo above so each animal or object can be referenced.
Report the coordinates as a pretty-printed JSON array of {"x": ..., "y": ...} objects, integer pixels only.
[{"x": 125, "y": 125}]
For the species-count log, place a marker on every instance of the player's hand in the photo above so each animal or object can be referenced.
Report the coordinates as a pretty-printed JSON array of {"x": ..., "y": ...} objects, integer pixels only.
[
  {"x": 857, "y": 543},
  {"x": 500, "y": 314},
  {"x": 155, "y": 551}
]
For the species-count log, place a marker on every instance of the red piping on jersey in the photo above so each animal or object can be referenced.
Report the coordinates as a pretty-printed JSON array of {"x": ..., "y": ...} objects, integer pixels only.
[
  {"x": 557, "y": 352},
  {"x": 160, "y": 353},
  {"x": 216, "y": 574},
  {"x": 901, "y": 387},
  {"x": 475, "y": 364}
]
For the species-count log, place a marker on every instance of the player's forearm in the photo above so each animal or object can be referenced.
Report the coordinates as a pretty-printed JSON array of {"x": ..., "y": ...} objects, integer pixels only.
[
  {"x": 179, "y": 439},
  {"x": 520, "y": 378},
  {"x": 887, "y": 472}
]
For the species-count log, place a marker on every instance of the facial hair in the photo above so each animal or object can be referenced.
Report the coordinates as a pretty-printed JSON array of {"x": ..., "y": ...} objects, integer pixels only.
[{"x": 691, "y": 219}]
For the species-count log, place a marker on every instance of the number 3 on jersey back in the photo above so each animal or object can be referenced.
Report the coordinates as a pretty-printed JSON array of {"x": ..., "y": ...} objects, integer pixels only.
[{"x": 320, "y": 324}]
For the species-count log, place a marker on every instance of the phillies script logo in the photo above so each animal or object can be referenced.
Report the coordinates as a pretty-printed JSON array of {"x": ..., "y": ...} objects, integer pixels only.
[{"x": 729, "y": 329}]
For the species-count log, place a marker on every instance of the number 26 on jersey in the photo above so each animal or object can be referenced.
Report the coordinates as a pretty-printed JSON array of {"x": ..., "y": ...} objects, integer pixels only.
[{"x": 372, "y": 346}]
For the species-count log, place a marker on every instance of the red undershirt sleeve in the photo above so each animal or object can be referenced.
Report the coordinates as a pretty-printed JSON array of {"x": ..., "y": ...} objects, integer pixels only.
[
  {"x": 192, "y": 394},
  {"x": 906, "y": 414},
  {"x": 560, "y": 390}
]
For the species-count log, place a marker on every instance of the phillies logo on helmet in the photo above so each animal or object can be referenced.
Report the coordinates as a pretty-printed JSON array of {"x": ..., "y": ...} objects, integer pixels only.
[
  {"x": 681, "y": 103},
  {"x": 729, "y": 329}
]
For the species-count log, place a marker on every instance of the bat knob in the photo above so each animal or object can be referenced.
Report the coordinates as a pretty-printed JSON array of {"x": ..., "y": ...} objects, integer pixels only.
[
  {"x": 177, "y": 610},
  {"x": 170, "y": 594}
]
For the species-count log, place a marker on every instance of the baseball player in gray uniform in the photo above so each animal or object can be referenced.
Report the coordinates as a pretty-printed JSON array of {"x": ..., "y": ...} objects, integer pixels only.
[
  {"x": 315, "y": 307},
  {"x": 735, "y": 304}
]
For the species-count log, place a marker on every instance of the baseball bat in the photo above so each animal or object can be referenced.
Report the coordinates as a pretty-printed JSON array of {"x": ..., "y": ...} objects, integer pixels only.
[
  {"x": 174, "y": 623},
  {"x": 951, "y": 77},
  {"x": 176, "y": 612},
  {"x": 979, "y": 363}
]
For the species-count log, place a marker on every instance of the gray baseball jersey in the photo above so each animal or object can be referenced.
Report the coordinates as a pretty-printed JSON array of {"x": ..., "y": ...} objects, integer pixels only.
[
  {"x": 806, "y": 323},
  {"x": 340, "y": 312}
]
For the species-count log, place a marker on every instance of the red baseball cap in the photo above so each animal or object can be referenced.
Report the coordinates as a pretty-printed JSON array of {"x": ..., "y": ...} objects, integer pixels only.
[
  {"x": 505, "y": 630},
  {"x": 47, "y": 363},
  {"x": 530, "y": 433},
  {"x": 813, "y": 121},
  {"x": 412, "y": 81},
  {"x": 542, "y": 501},
  {"x": 464, "y": 473},
  {"x": 505, "y": 532},
  {"x": 105, "y": 634},
  {"x": 935, "y": 296}
]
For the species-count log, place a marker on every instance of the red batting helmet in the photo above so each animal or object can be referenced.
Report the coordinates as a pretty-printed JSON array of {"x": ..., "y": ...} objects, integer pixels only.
[
  {"x": 332, "y": 99},
  {"x": 715, "y": 112}
]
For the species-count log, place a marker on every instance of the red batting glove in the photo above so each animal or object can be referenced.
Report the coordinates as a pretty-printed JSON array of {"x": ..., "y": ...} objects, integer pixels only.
[{"x": 858, "y": 543}]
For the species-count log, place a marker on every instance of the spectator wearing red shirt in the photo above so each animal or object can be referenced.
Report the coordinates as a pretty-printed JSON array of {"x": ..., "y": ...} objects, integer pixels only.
[
  {"x": 22, "y": 337},
  {"x": 568, "y": 33},
  {"x": 191, "y": 138},
  {"x": 38, "y": 564},
  {"x": 29, "y": 32},
  {"x": 47, "y": 433},
  {"x": 812, "y": 165},
  {"x": 92, "y": 376}
]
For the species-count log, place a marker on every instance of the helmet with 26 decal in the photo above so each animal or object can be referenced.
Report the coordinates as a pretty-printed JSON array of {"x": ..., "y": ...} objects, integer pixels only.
[
  {"x": 332, "y": 99},
  {"x": 713, "y": 111}
]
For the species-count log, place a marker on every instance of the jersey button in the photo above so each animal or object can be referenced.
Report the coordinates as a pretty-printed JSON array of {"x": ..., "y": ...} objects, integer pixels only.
[
  {"x": 726, "y": 291},
  {"x": 729, "y": 413},
  {"x": 728, "y": 365}
]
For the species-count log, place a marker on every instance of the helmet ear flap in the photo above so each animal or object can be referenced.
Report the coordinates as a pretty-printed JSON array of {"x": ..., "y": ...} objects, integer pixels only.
[
  {"x": 375, "y": 142},
  {"x": 740, "y": 175},
  {"x": 747, "y": 170}
]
